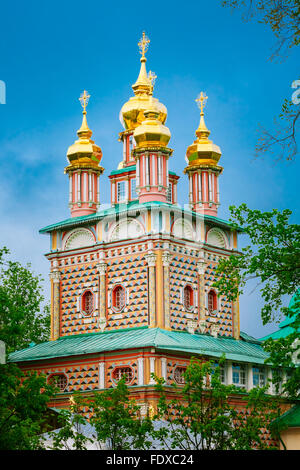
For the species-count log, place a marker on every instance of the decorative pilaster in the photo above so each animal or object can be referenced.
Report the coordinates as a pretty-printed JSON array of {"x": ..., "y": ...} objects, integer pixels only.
[
  {"x": 151, "y": 260},
  {"x": 102, "y": 266},
  {"x": 140, "y": 371},
  {"x": 236, "y": 318},
  {"x": 164, "y": 368},
  {"x": 166, "y": 258},
  {"x": 101, "y": 375},
  {"x": 201, "y": 302},
  {"x": 55, "y": 304},
  {"x": 152, "y": 370}
]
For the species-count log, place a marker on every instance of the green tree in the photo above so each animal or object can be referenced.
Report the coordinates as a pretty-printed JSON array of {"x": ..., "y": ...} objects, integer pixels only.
[
  {"x": 273, "y": 259},
  {"x": 116, "y": 422},
  {"x": 201, "y": 415},
  {"x": 24, "y": 414},
  {"x": 23, "y": 318}
]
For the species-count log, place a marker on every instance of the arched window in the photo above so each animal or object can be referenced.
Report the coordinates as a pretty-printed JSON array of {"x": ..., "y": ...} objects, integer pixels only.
[
  {"x": 179, "y": 375},
  {"x": 87, "y": 305},
  {"x": 121, "y": 372},
  {"x": 118, "y": 298},
  {"x": 188, "y": 297},
  {"x": 58, "y": 380},
  {"x": 212, "y": 302}
]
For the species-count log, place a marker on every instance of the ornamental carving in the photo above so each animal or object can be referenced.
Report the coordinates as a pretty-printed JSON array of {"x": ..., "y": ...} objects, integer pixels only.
[
  {"x": 79, "y": 238},
  {"x": 216, "y": 237},
  {"x": 129, "y": 228}
]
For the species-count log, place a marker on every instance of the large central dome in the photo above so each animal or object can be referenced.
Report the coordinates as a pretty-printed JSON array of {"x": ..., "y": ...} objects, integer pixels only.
[{"x": 132, "y": 112}]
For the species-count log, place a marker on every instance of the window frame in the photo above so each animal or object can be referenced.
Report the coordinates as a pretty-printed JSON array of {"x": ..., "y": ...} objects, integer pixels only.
[
  {"x": 242, "y": 374},
  {"x": 114, "y": 300},
  {"x": 192, "y": 297},
  {"x": 82, "y": 303},
  {"x": 180, "y": 377},
  {"x": 258, "y": 373},
  {"x": 214, "y": 310},
  {"x": 123, "y": 367},
  {"x": 58, "y": 374},
  {"x": 121, "y": 184}
]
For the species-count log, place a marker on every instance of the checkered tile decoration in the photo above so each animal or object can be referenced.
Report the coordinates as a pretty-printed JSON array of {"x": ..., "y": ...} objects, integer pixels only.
[
  {"x": 182, "y": 269},
  {"x": 225, "y": 311},
  {"x": 131, "y": 273},
  {"x": 79, "y": 376},
  {"x": 73, "y": 280}
]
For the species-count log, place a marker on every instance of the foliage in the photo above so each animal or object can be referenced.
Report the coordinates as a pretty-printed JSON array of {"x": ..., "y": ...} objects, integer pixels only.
[
  {"x": 71, "y": 433},
  {"x": 283, "y": 17},
  {"x": 23, "y": 408},
  {"x": 201, "y": 415},
  {"x": 22, "y": 318},
  {"x": 115, "y": 419},
  {"x": 274, "y": 260}
]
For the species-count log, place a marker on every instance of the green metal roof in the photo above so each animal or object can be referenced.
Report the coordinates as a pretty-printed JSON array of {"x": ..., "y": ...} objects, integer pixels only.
[
  {"x": 290, "y": 418},
  {"x": 123, "y": 208},
  {"x": 285, "y": 327},
  {"x": 135, "y": 338}
]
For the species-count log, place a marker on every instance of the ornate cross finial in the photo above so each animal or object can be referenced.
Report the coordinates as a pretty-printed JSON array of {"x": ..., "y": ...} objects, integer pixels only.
[
  {"x": 201, "y": 101},
  {"x": 84, "y": 99},
  {"x": 152, "y": 77},
  {"x": 144, "y": 44}
]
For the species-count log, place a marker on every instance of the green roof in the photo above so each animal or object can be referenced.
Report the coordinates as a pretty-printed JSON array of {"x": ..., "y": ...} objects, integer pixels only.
[
  {"x": 285, "y": 327},
  {"x": 125, "y": 207},
  {"x": 136, "y": 338},
  {"x": 290, "y": 418}
]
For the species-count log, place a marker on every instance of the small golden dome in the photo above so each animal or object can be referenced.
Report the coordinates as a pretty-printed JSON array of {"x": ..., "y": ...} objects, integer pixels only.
[
  {"x": 151, "y": 132},
  {"x": 84, "y": 153},
  {"x": 132, "y": 112},
  {"x": 203, "y": 151}
]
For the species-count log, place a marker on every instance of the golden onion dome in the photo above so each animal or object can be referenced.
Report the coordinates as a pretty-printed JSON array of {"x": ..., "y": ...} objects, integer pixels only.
[
  {"x": 84, "y": 153},
  {"x": 152, "y": 132},
  {"x": 203, "y": 151},
  {"x": 132, "y": 112}
]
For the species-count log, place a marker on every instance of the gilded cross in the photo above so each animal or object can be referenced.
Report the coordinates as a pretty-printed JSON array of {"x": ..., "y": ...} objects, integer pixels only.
[
  {"x": 152, "y": 77},
  {"x": 144, "y": 44},
  {"x": 84, "y": 99},
  {"x": 201, "y": 101}
]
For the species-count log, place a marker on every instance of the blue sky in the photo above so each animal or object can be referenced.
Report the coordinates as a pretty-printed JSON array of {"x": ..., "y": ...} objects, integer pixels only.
[{"x": 51, "y": 52}]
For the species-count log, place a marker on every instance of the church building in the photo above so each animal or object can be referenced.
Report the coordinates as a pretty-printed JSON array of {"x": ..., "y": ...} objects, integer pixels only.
[{"x": 132, "y": 285}]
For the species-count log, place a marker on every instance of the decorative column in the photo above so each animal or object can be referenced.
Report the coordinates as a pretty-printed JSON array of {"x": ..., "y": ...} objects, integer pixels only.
[
  {"x": 152, "y": 370},
  {"x": 151, "y": 260},
  {"x": 166, "y": 258},
  {"x": 229, "y": 372},
  {"x": 164, "y": 368},
  {"x": 102, "y": 295},
  {"x": 249, "y": 377},
  {"x": 236, "y": 318},
  {"x": 55, "y": 304},
  {"x": 201, "y": 290},
  {"x": 101, "y": 375},
  {"x": 140, "y": 371}
]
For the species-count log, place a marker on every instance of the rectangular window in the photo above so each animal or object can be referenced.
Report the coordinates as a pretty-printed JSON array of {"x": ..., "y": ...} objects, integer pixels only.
[
  {"x": 222, "y": 371},
  {"x": 133, "y": 194},
  {"x": 259, "y": 377},
  {"x": 239, "y": 375},
  {"x": 121, "y": 191}
]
